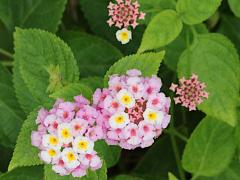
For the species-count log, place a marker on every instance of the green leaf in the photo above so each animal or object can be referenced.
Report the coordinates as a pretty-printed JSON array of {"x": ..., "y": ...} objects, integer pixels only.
[
  {"x": 152, "y": 7},
  {"x": 10, "y": 113},
  {"x": 158, "y": 160},
  {"x": 24, "y": 173},
  {"x": 196, "y": 11},
  {"x": 235, "y": 7},
  {"x": 162, "y": 29},
  {"x": 24, "y": 96},
  {"x": 24, "y": 153},
  {"x": 214, "y": 59},
  {"x": 83, "y": 45},
  {"x": 171, "y": 176},
  {"x": 37, "y": 51},
  {"x": 230, "y": 27},
  {"x": 71, "y": 90},
  {"x": 210, "y": 148},
  {"x": 100, "y": 174},
  {"x": 96, "y": 13},
  {"x": 111, "y": 154},
  {"x": 42, "y": 14},
  {"x": 148, "y": 63}
]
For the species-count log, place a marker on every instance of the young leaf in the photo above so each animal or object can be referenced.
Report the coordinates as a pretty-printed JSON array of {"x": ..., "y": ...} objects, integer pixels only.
[
  {"x": 32, "y": 13},
  {"x": 214, "y": 59},
  {"x": 171, "y": 176},
  {"x": 24, "y": 173},
  {"x": 100, "y": 174},
  {"x": 148, "y": 63},
  {"x": 162, "y": 29},
  {"x": 37, "y": 51},
  {"x": 111, "y": 154},
  {"x": 196, "y": 11},
  {"x": 210, "y": 148},
  {"x": 71, "y": 90},
  {"x": 24, "y": 153},
  {"x": 235, "y": 7},
  {"x": 83, "y": 45}
]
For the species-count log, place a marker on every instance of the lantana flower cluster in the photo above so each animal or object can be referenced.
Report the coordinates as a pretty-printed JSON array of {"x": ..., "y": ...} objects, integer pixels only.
[
  {"x": 190, "y": 93},
  {"x": 66, "y": 136},
  {"x": 133, "y": 110},
  {"x": 124, "y": 14}
]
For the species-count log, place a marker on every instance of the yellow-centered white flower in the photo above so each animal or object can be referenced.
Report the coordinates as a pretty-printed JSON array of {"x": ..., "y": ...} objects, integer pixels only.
[
  {"x": 125, "y": 98},
  {"x": 70, "y": 158},
  {"x": 64, "y": 133},
  {"x": 119, "y": 120},
  {"x": 49, "y": 140},
  {"x": 153, "y": 116},
  {"x": 83, "y": 145},
  {"x": 50, "y": 155},
  {"x": 124, "y": 35}
]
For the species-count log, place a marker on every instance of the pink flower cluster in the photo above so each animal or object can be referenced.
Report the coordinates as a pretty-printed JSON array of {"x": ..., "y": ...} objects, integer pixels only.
[
  {"x": 134, "y": 111},
  {"x": 190, "y": 92},
  {"x": 124, "y": 13},
  {"x": 66, "y": 136}
]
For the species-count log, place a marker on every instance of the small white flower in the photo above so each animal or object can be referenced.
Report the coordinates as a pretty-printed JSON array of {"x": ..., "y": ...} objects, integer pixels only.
[
  {"x": 70, "y": 158},
  {"x": 119, "y": 120},
  {"x": 49, "y": 140},
  {"x": 65, "y": 133},
  {"x": 125, "y": 98},
  {"x": 50, "y": 155},
  {"x": 153, "y": 116},
  {"x": 83, "y": 145},
  {"x": 124, "y": 35}
]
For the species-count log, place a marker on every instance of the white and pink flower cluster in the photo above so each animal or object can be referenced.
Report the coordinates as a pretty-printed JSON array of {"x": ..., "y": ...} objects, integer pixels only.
[
  {"x": 66, "y": 136},
  {"x": 124, "y": 14},
  {"x": 133, "y": 110}
]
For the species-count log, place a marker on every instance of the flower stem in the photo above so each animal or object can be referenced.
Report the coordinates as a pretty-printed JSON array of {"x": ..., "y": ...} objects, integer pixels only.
[{"x": 5, "y": 53}]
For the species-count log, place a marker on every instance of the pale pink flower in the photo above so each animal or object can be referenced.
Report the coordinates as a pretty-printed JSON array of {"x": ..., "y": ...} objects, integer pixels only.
[
  {"x": 66, "y": 111},
  {"x": 132, "y": 135},
  {"x": 79, "y": 171},
  {"x": 42, "y": 114},
  {"x": 91, "y": 160},
  {"x": 124, "y": 13},
  {"x": 190, "y": 93},
  {"x": 146, "y": 131},
  {"x": 79, "y": 126},
  {"x": 36, "y": 138},
  {"x": 95, "y": 133}
]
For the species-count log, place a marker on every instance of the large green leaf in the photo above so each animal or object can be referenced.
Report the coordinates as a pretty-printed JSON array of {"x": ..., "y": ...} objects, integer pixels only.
[
  {"x": 24, "y": 173},
  {"x": 71, "y": 90},
  {"x": 210, "y": 148},
  {"x": 100, "y": 174},
  {"x": 42, "y": 14},
  {"x": 111, "y": 154},
  {"x": 196, "y": 11},
  {"x": 214, "y": 59},
  {"x": 235, "y": 7},
  {"x": 10, "y": 114},
  {"x": 148, "y": 63},
  {"x": 24, "y": 153},
  {"x": 93, "y": 54},
  {"x": 45, "y": 62},
  {"x": 171, "y": 176},
  {"x": 24, "y": 96},
  {"x": 162, "y": 29},
  {"x": 153, "y": 7},
  {"x": 96, "y": 13}
]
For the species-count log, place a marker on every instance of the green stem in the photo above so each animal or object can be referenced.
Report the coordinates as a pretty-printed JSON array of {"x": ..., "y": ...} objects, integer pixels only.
[
  {"x": 5, "y": 53},
  {"x": 194, "y": 32},
  {"x": 177, "y": 134}
]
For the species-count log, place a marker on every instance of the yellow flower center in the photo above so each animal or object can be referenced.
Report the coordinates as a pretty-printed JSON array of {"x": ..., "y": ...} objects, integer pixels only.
[
  {"x": 66, "y": 133},
  {"x": 71, "y": 156},
  {"x": 53, "y": 140},
  {"x": 126, "y": 99},
  {"x": 52, "y": 152},
  {"x": 152, "y": 116},
  {"x": 124, "y": 36},
  {"x": 83, "y": 145},
  {"x": 119, "y": 119}
]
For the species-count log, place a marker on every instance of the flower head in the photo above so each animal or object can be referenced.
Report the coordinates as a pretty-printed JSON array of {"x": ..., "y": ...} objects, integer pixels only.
[
  {"x": 134, "y": 111},
  {"x": 190, "y": 92},
  {"x": 64, "y": 136},
  {"x": 124, "y": 35}
]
